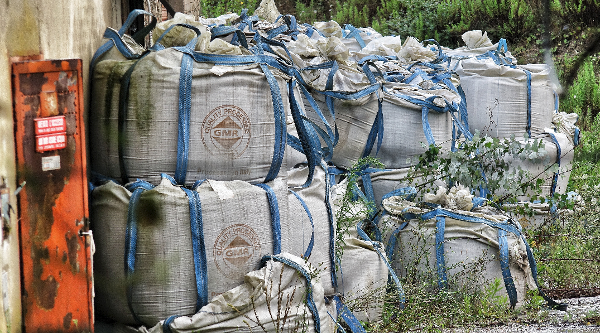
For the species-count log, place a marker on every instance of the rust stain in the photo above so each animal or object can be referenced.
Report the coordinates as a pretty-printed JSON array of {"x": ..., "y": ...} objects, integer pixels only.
[
  {"x": 67, "y": 320},
  {"x": 73, "y": 248},
  {"x": 46, "y": 290},
  {"x": 31, "y": 84}
]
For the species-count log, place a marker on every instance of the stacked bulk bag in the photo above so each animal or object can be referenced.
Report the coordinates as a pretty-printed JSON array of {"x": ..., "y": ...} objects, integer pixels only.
[
  {"x": 189, "y": 114},
  {"x": 351, "y": 104},
  {"x": 181, "y": 247},
  {"x": 507, "y": 100},
  {"x": 477, "y": 45},
  {"x": 280, "y": 297},
  {"x": 313, "y": 221},
  {"x": 451, "y": 243},
  {"x": 363, "y": 278},
  {"x": 413, "y": 119},
  {"x": 559, "y": 150}
]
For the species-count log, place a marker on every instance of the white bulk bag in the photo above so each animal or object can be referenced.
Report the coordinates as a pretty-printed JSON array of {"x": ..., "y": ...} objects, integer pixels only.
[
  {"x": 189, "y": 114},
  {"x": 507, "y": 100},
  {"x": 407, "y": 126},
  {"x": 179, "y": 262},
  {"x": 559, "y": 149},
  {"x": 280, "y": 297},
  {"x": 363, "y": 279},
  {"x": 460, "y": 248},
  {"x": 319, "y": 227}
]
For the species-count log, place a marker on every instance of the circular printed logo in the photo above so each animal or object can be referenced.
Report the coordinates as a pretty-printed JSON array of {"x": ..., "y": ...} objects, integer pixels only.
[
  {"x": 236, "y": 250},
  {"x": 226, "y": 130}
]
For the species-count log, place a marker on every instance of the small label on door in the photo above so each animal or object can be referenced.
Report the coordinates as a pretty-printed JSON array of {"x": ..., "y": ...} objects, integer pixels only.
[
  {"x": 50, "y": 125},
  {"x": 50, "y": 163},
  {"x": 50, "y": 142}
]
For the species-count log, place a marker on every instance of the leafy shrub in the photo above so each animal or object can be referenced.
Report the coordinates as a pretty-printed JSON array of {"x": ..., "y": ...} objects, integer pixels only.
[
  {"x": 214, "y": 8},
  {"x": 483, "y": 163}
]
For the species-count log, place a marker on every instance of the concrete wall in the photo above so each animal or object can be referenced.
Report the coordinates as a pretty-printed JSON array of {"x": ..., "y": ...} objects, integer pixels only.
[{"x": 52, "y": 29}]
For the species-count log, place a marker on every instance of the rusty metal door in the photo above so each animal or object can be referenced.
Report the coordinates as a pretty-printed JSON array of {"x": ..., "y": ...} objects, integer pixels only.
[{"x": 53, "y": 208}]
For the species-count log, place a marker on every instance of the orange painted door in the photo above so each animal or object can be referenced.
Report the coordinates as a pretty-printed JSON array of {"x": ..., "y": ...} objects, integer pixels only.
[{"x": 53, "y": 209}]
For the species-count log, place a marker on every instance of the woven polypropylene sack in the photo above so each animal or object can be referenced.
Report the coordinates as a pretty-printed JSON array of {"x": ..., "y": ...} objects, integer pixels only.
[
  {"x": 316, "y": 201},
  {"x": 271, "y": 299},
  {"x": 354, "y": 119},
  {"x": 236, "y": 224},
  {"x": 471, "y": 253},
  {"x": 232, "y": 127},
  {"x": 389, "y": 180},
  {"x": 404, "y": 136},
  {"x": 497, "y": 98},
  {"x": 363, "y": 279},
  {"x": 539, "y": 168}
]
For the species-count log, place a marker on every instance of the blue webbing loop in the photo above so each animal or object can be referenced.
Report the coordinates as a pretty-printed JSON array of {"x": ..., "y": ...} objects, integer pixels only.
[
  {"x": 426, "y": 126},
  {"x": 275, "y": 220},
  {"x": 331, "y": 220},
  {"x": 346, "y": 315},
  {"x": 367, "y": 185},
  {"x": 528, "y": 128},
  {"x": 553, "y": 208},
  {"x": 392, "y": 274},
  {"x": 199, "y": 250},
  {"x": 440, "y": 227},
  {"x": 440, "y": 56},
  {"x": 306, "y": 137},
  {"x": 116, "y": 37},
  {"x": 376, "y": 132},
  {"x": 478, "y": 202},
  {"x": 576, "y": 136},
  {"x": 266, "y": 43},
  {"x": 333, "y": 171},
  {"x": 238, "y": 38},
  {"x": 502, "y": 46},
  {"x": 558, "y": 157},
  {"x": 197, "y": 184},
  {"x": 505, "y": 266},
  {"x": 309, "y": 292},
  {"x": 131, "y": 235},
  {"x": 331, "y": 138},
  {"x": 409, "y": 193},
  {"x": 329, "y": 86},
  {"x": 462, "y": 108},
  {"x": 191, "y": 44},
  {"x": 390, "y": 249},
  {"x": 354, "y": 33},
  {"x": 309, "y": 248},
  {"x": 311, "y": 30},
  {"x": 185, "y": 107},
  {"x": 166, "y": 325},
  {"x": 280, "y": 122},
  {"x": 122, "y": 116}
]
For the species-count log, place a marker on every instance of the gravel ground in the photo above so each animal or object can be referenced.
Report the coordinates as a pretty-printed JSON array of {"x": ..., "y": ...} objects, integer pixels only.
[{"x": 573, "y": 320}]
